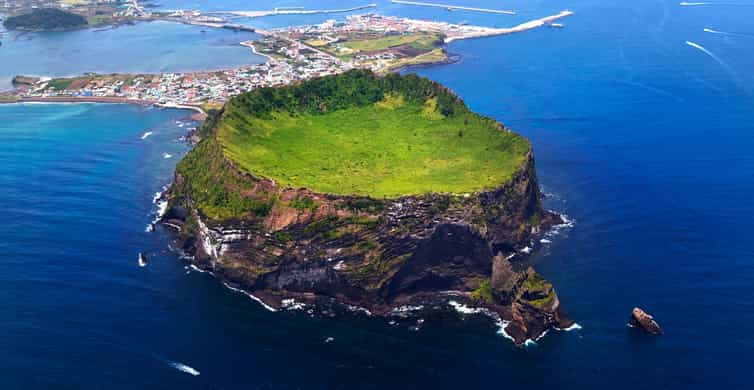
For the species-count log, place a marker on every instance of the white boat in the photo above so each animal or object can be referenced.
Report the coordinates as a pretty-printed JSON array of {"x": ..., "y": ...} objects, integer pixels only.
[{"x": 142, "y": 259}]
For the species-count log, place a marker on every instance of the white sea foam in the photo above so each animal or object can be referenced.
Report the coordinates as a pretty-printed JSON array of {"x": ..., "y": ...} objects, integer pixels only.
[
  {"x": 463, "y": 309},
  {"x": 575, "y": 326},
  {"x": 145, "y": 135},
  {"x": 167, "y": 155},
  {"x": 545, "y": 241},
  {"x": 501, "y": 325},
  {"x": 358, "y": 309},
  {"x": 406, "y": 309},
  {"x": 527, "y": 250},
  {"x": 261, "y": 302},
  {"x": 716, "y": 3},
  {"x": 184, "y": 368},
  {"x": 162, "y": 208},
  {"x": 291, "y": 304},
  {"x": 197, "y": 269}
]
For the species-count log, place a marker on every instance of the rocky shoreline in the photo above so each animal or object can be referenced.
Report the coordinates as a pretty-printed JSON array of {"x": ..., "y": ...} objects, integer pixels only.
[
  {"x": 282, "y": 244},
  {"x": 459, "y": 252}
]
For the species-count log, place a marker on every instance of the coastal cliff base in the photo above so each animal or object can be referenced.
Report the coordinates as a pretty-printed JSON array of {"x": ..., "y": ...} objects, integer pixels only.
[{"x": 285, "y": 243}]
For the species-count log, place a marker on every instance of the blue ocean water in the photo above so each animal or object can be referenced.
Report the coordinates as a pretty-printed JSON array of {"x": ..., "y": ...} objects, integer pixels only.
[
  {"x": 141, "y": 48},
  {"x": 643, "y": 140}
]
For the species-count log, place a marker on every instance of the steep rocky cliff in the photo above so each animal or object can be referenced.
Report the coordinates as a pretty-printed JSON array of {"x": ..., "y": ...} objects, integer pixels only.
[{"x": 288, "y": 243}]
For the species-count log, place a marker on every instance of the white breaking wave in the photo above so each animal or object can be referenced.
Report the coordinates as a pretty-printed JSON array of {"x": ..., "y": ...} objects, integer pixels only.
[
  {"x": 292, "y": 304},
  {"x": 162, "y": 208},
  {"x": 184, "y": 368},
  {"x": 696, "y": 4},
  {"x": 575, "y": 326},
  {"x": 145, "y": 135},
  {"x": 501, "y": 325},
  {"x": 266, "y": 306},
  {"x": 533, "y": 343},
  {"x": 158, "y": 195},
  {"x": 463, "y": 309}
]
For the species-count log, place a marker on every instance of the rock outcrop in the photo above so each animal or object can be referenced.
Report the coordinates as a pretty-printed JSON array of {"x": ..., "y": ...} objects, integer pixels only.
[
  {"x": 380, "y": 254},
  {"x": 642, "y": 320},
  {"x": 282, "y": 244}
]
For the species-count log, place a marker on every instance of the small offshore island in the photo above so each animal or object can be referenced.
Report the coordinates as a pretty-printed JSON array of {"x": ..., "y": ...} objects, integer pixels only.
[{"x": 382, "y": 194}]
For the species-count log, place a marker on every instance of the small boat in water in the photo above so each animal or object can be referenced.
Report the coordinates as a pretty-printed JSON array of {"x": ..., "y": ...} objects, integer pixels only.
[{"x": 142, "y": 259}]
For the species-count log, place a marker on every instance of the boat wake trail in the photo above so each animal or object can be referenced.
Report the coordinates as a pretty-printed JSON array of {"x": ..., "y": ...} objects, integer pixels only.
[
  {"x": 179, "y": 366},
  {"x": 184, "y": 368},
  {"x": 716, "y": 58},
  {"x": 700, "y": 4},
  {"x": 725, "y": 33}
]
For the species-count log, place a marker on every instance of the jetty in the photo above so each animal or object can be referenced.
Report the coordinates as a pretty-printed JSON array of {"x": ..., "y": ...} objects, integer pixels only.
[
  {"x": 454, "y": 7},
  {"x": 290, "y": 11},
  {"x": 480, "y": 32}
]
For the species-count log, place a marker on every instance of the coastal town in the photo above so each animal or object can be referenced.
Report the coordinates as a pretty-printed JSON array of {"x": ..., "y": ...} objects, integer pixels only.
[{"x": 369, "y": 41}]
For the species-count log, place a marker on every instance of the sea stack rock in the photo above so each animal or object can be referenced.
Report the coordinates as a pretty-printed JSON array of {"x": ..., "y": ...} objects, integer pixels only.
[{"x": 639, "y": 318}]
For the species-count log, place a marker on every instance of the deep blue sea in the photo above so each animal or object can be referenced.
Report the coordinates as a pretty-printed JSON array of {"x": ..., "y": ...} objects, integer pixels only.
[{"x": 643, "y": 140}]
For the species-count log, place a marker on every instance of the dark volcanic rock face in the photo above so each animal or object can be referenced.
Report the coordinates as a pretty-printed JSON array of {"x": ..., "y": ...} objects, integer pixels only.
[
  {"x": 375, "y": 254},
  {"x": 641, "y": 319}
]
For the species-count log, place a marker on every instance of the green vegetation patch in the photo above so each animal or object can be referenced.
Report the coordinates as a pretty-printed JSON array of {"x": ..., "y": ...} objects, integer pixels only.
[
  {"x": 45, "y": 19},
  {"x": 381, "y": 137},
  {"x": 419, "y": 41},
  {"x": 484, "y": 292},
  {"x": 214, "y": 187}
]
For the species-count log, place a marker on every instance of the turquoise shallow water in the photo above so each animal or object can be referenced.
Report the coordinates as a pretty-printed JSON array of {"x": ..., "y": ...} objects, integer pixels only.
[
  {"x": 145, "y": 47},
  {"x": 644, "y": 141}
]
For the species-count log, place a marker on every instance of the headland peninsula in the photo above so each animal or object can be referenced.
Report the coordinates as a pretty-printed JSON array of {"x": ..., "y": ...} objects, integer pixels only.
[
  {"x": 359, "y": 192},
  {"x": 397, "y": 199}
]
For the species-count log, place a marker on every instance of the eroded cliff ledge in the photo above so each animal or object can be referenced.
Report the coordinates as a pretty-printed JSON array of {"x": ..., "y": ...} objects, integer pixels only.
[{"x": 280, "y": 241}]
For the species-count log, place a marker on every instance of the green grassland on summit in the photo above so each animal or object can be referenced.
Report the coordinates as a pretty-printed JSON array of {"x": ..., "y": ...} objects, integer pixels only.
[{"x": 361, "y": 134}]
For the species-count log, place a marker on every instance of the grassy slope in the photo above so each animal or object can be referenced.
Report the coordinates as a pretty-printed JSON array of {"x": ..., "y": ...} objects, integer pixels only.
[
  {"x": 387, "y": 149},
  {"x": 417, "y": 41}
]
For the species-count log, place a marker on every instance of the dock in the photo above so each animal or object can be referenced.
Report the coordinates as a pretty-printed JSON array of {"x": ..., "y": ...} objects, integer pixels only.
[
  {"x": 291, "y": 11},
  {"x": 454, "y": 7},
  {"x": 481, "y": 32}
]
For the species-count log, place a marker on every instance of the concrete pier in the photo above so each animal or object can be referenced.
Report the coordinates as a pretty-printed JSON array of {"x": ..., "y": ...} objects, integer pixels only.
[{"x": 454, "y": 7}]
